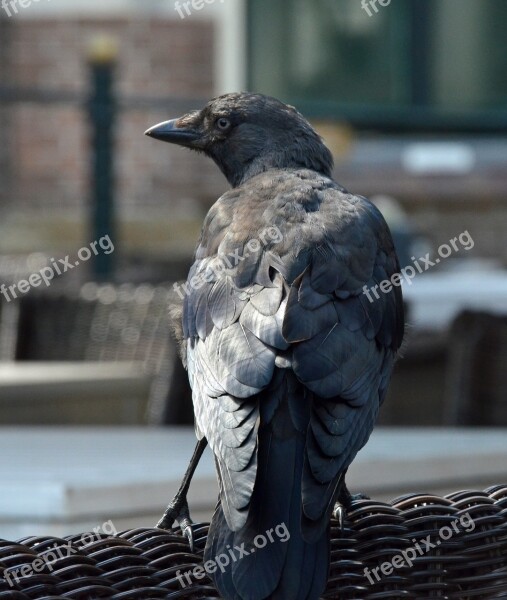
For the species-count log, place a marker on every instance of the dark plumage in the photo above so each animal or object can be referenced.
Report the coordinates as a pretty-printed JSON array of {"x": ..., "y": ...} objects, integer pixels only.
[{"x": 288, "y": 359}]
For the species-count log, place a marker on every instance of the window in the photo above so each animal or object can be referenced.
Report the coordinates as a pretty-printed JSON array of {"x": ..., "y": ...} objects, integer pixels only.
[{"x": 412, "y": 64}]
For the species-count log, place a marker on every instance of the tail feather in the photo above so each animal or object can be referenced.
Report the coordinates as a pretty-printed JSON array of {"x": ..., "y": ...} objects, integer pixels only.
[
  {"x": 306, "y": 567},
  {"x": 220, "y": 540},
  {"x": 278, "y": 561}
]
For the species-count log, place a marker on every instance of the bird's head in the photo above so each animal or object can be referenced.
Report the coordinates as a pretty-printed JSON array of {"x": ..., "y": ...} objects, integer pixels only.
[{"x": 246, "y": 134}]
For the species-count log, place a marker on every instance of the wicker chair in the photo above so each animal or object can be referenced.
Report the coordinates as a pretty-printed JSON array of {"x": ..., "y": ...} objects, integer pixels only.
[
  {"x": 465, "y": 557},
  {"x": 106, "y": 322},
  {"x": 476, "y": 372}
]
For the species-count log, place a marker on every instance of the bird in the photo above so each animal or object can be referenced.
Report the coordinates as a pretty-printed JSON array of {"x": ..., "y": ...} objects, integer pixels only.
[{"x": 288, "y": 358}]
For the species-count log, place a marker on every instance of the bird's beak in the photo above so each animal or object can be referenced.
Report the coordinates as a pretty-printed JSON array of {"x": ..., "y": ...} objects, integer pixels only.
[{"x": 168, "y": 131}]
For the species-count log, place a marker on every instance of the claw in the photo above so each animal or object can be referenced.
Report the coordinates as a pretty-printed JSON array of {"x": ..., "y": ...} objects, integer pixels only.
[
  {"x": 344, "y": 503},
  {"x": 339, "y": 515},
  {"x": 178, "y": 511},
  {"x": 188, "y": 532}
]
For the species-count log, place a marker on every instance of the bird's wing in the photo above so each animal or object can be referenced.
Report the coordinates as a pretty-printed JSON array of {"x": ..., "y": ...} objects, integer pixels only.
[
  {"x": 233, "y": 309},
  {"x": 291, "y": 300},
  {"x": 344, "y": 342}
]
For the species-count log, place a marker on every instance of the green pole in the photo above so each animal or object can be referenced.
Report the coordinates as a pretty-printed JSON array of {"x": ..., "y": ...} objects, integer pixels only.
[{"x": 102, "y": 113}]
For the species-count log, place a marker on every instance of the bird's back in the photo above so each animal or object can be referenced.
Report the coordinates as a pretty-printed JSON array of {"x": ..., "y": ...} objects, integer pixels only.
[{"x": 289, "y": 362}]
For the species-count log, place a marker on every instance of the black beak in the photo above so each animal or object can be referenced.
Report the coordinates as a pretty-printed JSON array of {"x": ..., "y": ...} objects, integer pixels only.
[{"x": 169, "y": 132}]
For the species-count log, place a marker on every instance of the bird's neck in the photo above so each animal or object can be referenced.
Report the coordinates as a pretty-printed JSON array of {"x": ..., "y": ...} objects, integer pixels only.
[{"x": 288, "y": 159}]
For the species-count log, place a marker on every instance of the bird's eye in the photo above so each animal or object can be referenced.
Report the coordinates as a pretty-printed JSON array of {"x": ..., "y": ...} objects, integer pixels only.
[{"x": 223, "y": 124}]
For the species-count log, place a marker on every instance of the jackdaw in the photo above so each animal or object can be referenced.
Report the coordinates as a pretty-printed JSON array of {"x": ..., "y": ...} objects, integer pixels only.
[{"x": 288, "y": 358}]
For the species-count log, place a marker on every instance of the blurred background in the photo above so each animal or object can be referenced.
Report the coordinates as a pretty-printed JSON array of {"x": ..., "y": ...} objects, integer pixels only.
[{"x": 412, "y": 99}]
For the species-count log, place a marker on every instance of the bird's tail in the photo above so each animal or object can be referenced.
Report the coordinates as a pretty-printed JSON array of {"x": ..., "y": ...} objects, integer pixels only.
[{"x": 271, "y": 555}]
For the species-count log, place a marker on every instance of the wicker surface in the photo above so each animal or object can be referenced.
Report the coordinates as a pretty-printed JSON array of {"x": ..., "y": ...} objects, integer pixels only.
[{"x": 144, "y": 563}]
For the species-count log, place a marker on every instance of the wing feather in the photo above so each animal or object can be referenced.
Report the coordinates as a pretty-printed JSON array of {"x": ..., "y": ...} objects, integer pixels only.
[{"x": 296, "y": 304}]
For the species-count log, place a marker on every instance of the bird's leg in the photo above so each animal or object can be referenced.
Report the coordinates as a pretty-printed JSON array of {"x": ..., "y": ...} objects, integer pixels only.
[
  {"x": 344, "y": 502},
  {"x": 177, "y": 509}
]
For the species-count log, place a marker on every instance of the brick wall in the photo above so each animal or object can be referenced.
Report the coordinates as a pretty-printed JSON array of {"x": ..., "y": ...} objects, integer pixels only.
[
  {"x": 48, "y": 144},
  {"x": 5, "y": 120}
]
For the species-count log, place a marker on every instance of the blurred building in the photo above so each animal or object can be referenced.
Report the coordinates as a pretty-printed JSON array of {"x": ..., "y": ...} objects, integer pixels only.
[
  {"x": 44, "y": 160},
  {"x": 421, "y": 82},
  {"x": 412, "y": 98}
]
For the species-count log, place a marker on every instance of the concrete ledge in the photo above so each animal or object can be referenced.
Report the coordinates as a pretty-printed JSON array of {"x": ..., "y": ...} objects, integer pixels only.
[
  {"x": 65, "y": 480},
  {"x": 66, "y": 393}
]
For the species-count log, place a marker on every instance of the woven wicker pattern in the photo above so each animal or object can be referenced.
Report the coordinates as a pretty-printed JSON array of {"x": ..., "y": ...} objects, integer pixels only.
[{"x": 144, "y": 563}]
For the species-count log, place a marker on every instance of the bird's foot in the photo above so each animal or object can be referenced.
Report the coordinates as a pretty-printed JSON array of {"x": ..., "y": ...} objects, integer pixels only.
[
  {"x": 344, "y": 503},
  {"x": 178, "y": 511}
]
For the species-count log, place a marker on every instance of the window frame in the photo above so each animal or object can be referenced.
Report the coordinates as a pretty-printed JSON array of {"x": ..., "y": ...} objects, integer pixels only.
[{"x": 420, "y": 116}]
